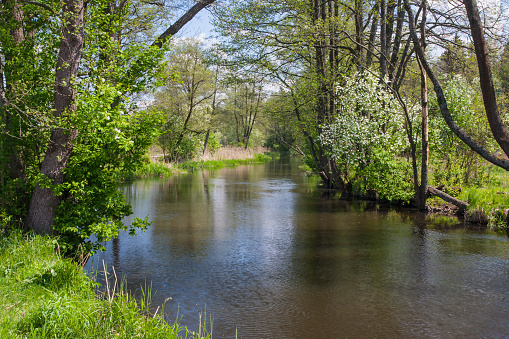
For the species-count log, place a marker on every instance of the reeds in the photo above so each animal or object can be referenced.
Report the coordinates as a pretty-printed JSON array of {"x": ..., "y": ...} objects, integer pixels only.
[{"x": 233, "y": 153}]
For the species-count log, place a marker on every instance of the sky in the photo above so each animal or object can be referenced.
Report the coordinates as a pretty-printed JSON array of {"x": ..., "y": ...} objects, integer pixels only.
[{"x": 198, "y": 27}]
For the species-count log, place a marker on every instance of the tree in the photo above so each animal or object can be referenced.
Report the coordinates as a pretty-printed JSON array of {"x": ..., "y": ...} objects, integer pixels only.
[
  {"x": 81, "y": 46},
  {"x": 245, "y": 101},
  {"x": 309, "y": 48},
  {"x": 498, "y": 129},
  {"x": 186, "y": 97},
  {"x": 366, "y": 137}
]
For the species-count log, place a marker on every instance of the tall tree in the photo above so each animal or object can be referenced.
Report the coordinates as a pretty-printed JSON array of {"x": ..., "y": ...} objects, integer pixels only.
[
  {"x": 93, "y": 75},
  {"x": 498, "y": 129},
  {"x": 186, "y": 95}
]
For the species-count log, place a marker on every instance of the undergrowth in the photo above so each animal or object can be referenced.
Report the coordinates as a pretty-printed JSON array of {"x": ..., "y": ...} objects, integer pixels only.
[{"x": 43, "y": 295}]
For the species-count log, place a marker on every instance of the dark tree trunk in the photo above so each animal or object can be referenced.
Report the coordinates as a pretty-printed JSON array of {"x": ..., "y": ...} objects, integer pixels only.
[
  {"x": 450, "y": 199},
  {"x": 397, "y": 41},
  {"x": 173, "y": 29},
  {"x": 44, "y": 203},
  {"x": 372, "y": 36},
  {"x": 383, "y": 39},
  {"x": 423, "y": 189},
  {"x": 206, "y": 141},
  {"x": 475, "y": 146},
  {"x": 499, "y": 130}
]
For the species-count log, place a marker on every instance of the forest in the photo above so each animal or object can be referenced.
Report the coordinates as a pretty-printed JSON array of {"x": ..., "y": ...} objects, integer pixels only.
[{"x": 390, "y": 99}]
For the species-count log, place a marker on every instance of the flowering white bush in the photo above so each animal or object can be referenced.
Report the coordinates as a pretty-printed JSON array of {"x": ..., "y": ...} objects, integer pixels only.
[
  {"x": 367, "y": 118},
  {"x": 366, "y": 136}
]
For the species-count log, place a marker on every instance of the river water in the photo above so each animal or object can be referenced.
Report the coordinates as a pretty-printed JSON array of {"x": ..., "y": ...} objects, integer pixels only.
[{"x": 270, "y": 256}]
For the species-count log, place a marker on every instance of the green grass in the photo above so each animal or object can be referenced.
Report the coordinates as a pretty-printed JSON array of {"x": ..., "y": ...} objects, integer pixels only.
[
  {"x": 160, "y": 169},
  {"x": 43, "y": 295},
  {"x": 149, "y": 169},
  {"x": 192, "y": 165},
  {"x": 487, "y": 204}
]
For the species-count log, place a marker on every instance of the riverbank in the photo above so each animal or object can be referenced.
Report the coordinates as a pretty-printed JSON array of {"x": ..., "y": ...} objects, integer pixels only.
[
  {"x": 224, "y": 157},
  {"x": 44, "y": 295}
]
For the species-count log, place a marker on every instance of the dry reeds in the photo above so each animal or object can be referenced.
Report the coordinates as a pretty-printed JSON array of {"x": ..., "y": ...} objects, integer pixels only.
[{"x": 233, "y": 153}]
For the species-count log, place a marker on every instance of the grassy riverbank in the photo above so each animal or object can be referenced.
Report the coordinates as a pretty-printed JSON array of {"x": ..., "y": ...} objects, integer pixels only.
[
  {"x": 224, "y": 157},
  {"x": 43, "y": 295},
  {"x": 488, "y": 202}
]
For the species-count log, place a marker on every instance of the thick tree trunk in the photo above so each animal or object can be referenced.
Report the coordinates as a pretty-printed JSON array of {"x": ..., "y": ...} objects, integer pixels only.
[
  {"x": 44, "y": 203},
  {"x": 498, "y": 129},
  {"x": 442, "y": 102}
]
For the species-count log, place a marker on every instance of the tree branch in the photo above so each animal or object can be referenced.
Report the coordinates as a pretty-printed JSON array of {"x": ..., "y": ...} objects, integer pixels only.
[
  {"x": 474, "y": 145},
  {"x": 184, "y": 19}
]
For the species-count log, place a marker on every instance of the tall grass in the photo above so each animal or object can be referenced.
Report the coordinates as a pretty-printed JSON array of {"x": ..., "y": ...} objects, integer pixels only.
[
  {"x": 233, "y": 153},
  {"x": 151, "y": 168},
  {"x": 193, "y": 165},
  {"x": 489, "y": 204},
  {"x": 225, "y": 156},
  {"x": 43, "y": 295}
]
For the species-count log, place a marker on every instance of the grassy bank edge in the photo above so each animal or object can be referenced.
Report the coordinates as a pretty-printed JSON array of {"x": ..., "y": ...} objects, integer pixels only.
[
  {"x": 44, "y": 295},
  {"x": 156, "y": 168}
]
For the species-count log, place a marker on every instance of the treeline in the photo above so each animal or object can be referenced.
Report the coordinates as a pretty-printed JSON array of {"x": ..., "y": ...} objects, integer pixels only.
[
  {"x": 383, "y": 98},
  {"x": 354, "y": 93}
]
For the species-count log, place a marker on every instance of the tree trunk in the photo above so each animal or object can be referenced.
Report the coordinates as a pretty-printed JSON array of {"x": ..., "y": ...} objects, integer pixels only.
[
  {"x": 173, "y": 29},
  {"x": 383, "y": 39},
  {"x": 424, "y": 110},
  {"x": 450, "y": 199},
  {"x": 442, "y": 102},
  {"x": 498, "y": 129},
  {"x": 44, "y": 203},
  {"x": 206, "y": 141}
]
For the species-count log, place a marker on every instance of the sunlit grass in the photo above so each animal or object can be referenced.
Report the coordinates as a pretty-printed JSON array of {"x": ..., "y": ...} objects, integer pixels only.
[
  {"x": 195, "y": 165},
  {"x": 488, "y": 204},
  {"x": 43, "y": 295},
  {"x": 233, "y": 153}
]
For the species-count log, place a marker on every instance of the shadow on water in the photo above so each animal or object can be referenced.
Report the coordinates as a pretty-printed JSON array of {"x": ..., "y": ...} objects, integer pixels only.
[{"x": 270, "y": 256}]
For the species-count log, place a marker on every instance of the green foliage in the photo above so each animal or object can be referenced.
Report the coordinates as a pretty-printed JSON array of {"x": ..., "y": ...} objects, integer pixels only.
[
  {"x": 453, "y": 162},
  {"x": 184, "y": 99},
  {"x": 176, "y": 143},
  {"x": 389, "y": 177},
  {"x": 214, "y": 142},
  {"x": 366, "y": 136},
  {"x": 113, "y": 134},
  {"x": 110, "y": 140},
  {"x": 45, "y": 296}
]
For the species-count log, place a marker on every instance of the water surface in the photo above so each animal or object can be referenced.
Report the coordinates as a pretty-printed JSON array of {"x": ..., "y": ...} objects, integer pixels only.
[{"x": 270, "y": 256}]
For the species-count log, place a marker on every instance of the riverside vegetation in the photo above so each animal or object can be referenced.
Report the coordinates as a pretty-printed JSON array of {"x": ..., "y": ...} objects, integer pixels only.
[
  {"x": 350, "y": 86},
  {"x": 44, "y": 295},
  {"x": 154, "y": 165}
]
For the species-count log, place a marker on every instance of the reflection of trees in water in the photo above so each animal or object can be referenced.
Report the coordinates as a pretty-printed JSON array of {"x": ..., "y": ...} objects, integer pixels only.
[{"x": 115, "y": 250}]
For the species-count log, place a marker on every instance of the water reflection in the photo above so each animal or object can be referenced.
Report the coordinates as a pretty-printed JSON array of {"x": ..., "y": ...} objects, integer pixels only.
[{"x": 271, "y": 257}]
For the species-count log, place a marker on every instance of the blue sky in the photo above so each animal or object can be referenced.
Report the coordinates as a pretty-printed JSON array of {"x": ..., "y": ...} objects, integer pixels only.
[{"x": 199, "y": 26}]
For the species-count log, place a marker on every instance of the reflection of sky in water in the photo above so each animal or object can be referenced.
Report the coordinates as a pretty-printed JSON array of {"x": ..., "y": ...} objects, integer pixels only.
[{"x": 272, "y": 260}]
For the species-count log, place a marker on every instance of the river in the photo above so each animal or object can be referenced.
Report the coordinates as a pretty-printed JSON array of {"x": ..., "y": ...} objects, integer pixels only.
[{"x": 270, "y": 256}]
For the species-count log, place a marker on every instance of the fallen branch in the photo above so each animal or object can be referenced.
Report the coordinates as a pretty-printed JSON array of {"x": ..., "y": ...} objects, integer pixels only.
[{"x": 450, "y": 199}]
